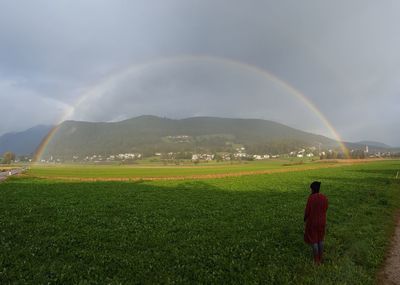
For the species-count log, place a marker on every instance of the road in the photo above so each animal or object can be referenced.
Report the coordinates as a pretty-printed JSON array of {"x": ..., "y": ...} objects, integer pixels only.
[{"x": 5, "y": 174}]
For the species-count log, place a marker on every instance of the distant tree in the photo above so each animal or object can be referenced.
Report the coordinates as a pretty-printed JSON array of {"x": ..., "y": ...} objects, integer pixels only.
[
  {"x": 24, "y": 158},
  {"x": 358, "y": 154},
  {"x": 218, "y": 157},
  {"x": 341, "y": 155},
  {"x": 183, "y": 155},
  {"x": 8, "y": 157}
]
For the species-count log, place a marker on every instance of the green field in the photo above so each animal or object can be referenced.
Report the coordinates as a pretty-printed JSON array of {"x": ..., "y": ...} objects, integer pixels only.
[
  {"x": 242, "y": 230},
  {"x": 151, "y": 170}
]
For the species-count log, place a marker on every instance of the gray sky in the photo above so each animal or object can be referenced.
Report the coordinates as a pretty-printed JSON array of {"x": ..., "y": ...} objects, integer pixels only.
[{"x": 126, "y": 56}]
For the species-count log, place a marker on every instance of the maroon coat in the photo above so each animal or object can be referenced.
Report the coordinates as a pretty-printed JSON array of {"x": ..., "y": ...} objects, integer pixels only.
[{"x": 315, "y": 218}]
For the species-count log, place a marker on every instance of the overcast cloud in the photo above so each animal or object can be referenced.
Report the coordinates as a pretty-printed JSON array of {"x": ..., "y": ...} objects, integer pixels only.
[{"x": 342, "y": 55}]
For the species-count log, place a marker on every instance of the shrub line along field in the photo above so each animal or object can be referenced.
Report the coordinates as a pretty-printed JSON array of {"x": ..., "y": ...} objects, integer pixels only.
[{"x": 232, "y": 230}]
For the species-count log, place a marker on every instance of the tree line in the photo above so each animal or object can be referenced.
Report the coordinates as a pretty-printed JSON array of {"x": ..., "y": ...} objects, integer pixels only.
[{"x": 8, "y": 157}]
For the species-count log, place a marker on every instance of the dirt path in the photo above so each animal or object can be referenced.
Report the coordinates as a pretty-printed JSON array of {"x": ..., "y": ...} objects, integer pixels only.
[
  {"x": 390, "y": 274},
  {"x": 5, "y": 174}
]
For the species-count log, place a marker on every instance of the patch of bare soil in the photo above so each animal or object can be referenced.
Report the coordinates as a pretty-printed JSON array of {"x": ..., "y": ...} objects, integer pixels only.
[{"x": 390, "y": 274}]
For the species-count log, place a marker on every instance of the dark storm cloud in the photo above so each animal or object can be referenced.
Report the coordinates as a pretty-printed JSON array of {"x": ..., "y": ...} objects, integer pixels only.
[{"x": 343, "y": 55}]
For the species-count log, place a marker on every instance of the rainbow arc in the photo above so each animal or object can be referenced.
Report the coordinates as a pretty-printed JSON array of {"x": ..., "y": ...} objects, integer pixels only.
[{"x": 99, "y": 88}]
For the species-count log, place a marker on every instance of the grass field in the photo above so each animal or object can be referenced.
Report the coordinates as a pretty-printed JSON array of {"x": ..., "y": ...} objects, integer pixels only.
[
  {"x": 243, "y": 230},
  {"x": 154, "y": 171}
]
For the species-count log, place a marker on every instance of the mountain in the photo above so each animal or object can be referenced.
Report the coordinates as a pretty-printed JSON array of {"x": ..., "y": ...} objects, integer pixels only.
[
  {"x": 373, "y": 144},
  {"x": 25, "y": 142},
  {"x": 150, "y": 134}
]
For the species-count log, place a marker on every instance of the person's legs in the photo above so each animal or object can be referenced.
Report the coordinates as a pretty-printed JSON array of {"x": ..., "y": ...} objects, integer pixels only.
[
  {"x": 320, "y": 250},
  {"x": 315, "y": 249}
]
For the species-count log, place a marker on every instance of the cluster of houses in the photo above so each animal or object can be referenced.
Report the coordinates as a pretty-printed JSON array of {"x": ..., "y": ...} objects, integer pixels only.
[
  {"x": 377, "y": 154},
  {"x": 179, "y": 139},
  {"x": 51, "y": 159},
  {"x": 203, "y": 156},
  {"x": 383, "y": 154},
  {"x": 100, "y": 158},
  {"x": 303, "y": 153},
  {"x": 261, "y": 156},
  {"x": 238, "y": 154}
]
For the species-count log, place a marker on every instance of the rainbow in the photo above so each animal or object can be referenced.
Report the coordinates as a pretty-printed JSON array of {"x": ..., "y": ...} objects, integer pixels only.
[{"x": 104, "y": 83}]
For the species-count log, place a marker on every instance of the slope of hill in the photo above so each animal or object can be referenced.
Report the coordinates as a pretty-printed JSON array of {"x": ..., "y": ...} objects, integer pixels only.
[
  {"x": 149, "y": 134},
  {"x": 25, "y": 142},
  {"x": 373, "y": 144}
]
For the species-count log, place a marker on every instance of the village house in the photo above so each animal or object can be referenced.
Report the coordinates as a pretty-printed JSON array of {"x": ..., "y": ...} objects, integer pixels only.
[{"x": 204, "y": 156}]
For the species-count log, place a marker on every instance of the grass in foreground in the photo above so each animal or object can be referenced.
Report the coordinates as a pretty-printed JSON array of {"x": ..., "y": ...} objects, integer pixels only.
[{"x": 233, "y": 230}]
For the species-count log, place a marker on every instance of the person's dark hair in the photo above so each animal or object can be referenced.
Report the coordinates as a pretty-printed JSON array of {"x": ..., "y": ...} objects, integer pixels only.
[{"x": 315, "y": 186}]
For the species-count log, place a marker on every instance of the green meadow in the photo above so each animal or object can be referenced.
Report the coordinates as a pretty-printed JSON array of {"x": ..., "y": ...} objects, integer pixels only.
[
  {"x": 233, "y": 230},
  {"x": 155, "y": 170}
]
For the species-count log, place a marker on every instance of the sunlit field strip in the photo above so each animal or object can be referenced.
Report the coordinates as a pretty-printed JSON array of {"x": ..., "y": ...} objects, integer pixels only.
[
  {"x": 154, "y": 172},
  {"x": 147, "y": 171},
  {"x": 122, "y": 173}
]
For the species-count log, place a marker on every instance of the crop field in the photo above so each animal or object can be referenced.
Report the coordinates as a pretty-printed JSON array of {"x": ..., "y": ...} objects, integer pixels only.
[
  {"x": 205, "y": 170},
  {"x": 234, "y": 230},
  {"x": 7, "y": 167}
]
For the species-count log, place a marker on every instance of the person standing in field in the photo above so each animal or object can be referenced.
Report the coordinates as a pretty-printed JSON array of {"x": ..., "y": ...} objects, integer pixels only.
[{"x": 315, "y": 219}]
